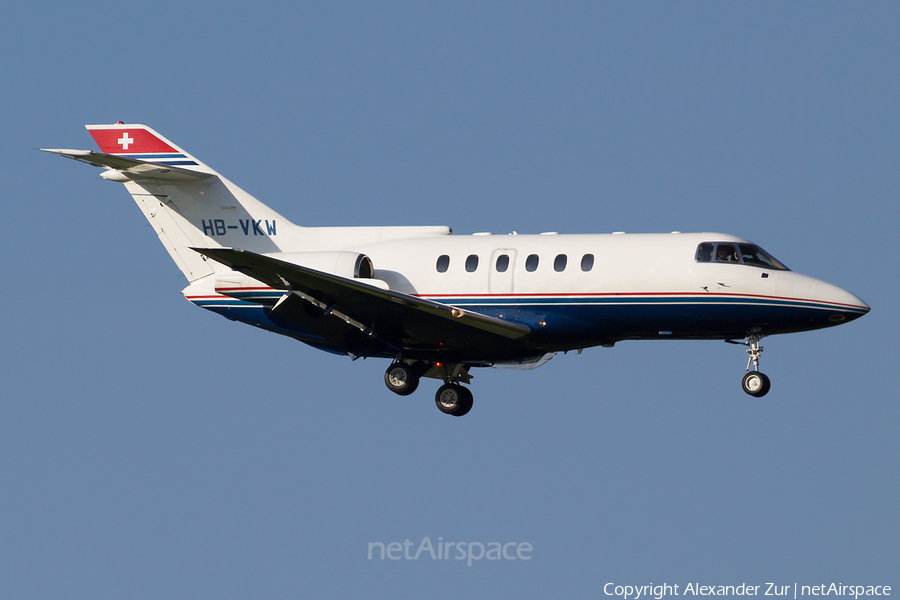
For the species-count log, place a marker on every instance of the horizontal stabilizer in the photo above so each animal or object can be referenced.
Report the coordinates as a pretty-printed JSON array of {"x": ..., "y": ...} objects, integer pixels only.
[
  {"x": 386, "y": 312},
  {"x": 131, "y": 168}
]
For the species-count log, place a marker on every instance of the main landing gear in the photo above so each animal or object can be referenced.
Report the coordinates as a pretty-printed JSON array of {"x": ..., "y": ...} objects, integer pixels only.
[
  {"x": 402, "y": 378},
  {"x": 453, "y": 399},
  {"x": 755, "y": 382}
]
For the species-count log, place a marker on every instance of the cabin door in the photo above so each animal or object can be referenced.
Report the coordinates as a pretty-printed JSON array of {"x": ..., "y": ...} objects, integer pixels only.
[{"x": 501, "y": 269}]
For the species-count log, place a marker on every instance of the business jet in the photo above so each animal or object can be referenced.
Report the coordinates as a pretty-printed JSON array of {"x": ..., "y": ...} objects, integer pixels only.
[{"x": 439, "y": 305}]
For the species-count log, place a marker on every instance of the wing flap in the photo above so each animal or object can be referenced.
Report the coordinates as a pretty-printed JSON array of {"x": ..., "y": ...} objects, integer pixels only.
[{"x": 384, "y": 311}]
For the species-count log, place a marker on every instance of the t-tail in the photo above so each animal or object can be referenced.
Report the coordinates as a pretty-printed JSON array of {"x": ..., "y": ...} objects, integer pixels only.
[{"x": 188, "y": 204}]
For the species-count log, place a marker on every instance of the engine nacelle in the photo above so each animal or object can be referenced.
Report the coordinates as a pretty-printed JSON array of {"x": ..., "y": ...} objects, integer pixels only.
[{"x": 351, "y": 265}]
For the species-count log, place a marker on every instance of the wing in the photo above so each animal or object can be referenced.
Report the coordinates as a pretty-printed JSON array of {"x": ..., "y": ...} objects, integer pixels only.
[{"x": 402, "y": 321}]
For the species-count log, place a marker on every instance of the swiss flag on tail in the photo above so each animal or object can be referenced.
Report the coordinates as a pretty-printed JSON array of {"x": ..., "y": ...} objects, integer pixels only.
[{"x": 128, "y": 139}]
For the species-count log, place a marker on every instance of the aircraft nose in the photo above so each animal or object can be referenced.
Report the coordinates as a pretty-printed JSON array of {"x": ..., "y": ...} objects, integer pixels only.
[{"x": 847, "y": 306}]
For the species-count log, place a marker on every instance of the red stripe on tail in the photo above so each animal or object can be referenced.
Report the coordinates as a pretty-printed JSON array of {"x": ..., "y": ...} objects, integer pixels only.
[{"x": 128, "y": 141}]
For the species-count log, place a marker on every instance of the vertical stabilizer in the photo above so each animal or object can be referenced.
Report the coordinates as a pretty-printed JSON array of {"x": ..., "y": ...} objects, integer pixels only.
[
  {"x": 187, "y": 203},
  {"x": 190, "y": 205}
]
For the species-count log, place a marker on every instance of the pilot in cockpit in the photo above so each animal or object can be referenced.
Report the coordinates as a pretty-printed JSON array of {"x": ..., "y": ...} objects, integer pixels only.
[{"x": 726, "y": 253}]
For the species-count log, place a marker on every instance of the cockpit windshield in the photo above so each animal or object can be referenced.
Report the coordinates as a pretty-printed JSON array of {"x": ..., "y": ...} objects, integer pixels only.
[{"x": 729, "y": 252}]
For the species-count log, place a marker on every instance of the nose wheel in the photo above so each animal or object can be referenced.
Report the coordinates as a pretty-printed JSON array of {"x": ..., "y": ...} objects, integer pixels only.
[{"x": 755, "y": 382}]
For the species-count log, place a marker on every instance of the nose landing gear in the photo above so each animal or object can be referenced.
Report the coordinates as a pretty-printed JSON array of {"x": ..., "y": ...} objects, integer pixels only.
[{"x": 755, "y": 382}]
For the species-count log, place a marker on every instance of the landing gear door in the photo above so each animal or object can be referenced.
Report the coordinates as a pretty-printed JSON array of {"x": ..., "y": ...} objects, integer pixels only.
[{"x": 502, "y": 267}]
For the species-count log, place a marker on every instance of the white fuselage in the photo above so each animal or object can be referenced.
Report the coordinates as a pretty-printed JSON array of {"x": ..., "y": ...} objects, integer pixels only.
[{"x": 631, "y": 286}]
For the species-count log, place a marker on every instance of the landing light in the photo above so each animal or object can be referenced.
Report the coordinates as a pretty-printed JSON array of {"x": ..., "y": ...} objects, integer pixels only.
[{"x": 836, "y": 318}]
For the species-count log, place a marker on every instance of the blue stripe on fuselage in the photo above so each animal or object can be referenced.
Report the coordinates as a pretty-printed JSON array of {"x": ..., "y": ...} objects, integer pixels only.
[{"x": 587, "y": 320}]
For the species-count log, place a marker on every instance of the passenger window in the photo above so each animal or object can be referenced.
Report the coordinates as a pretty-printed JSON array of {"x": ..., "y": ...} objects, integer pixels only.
[
  {"x": 472, "y": 263},
  {"x": 726, "y": 253},
  {"x": 502, "y": 263},
  {"x": 704, "y": 253},
  {"x": 560, "y": 263},
  {"x": 587, "y": 262},
  {"x": 443, "y": 263},
  {"x": 531, "y": 263}
]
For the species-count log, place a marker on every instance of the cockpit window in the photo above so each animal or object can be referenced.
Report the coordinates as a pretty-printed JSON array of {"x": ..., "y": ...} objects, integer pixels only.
[
  {"x": 756, "y": 256},
  {"x": 704, "y": 253},
  {"x": 726, "y": 253},
  {"x": 747, "y": 254}
]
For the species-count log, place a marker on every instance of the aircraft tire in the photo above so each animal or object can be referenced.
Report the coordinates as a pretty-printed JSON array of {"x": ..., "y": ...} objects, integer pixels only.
[
  {"x": 453, "y": 399},
  {"x": 756, "y": 384},
  {"x": 401, "y": 379},
  {"x": 467, "y": 404}
]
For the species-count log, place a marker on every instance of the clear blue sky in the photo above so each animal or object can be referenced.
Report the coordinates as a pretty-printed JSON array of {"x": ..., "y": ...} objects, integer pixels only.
[{"x": 149, "y": 449}]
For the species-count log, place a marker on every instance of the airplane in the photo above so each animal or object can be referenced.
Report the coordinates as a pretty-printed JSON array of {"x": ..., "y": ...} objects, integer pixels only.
[{"x": 439, "y": 305}]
